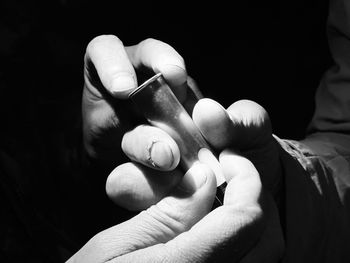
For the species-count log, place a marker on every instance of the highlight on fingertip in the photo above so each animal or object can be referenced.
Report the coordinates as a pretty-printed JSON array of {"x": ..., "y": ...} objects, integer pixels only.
[{"x": 214, "y": 122}]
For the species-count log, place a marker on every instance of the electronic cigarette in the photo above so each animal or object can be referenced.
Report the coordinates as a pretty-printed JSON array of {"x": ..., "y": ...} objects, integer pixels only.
[{"x": 161, "y": 108}]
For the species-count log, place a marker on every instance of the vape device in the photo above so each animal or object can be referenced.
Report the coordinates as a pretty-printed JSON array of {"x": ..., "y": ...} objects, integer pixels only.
[{"x": 161, "y": 108}]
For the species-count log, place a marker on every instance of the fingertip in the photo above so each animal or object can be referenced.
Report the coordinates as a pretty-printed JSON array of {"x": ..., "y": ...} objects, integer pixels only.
[
  {"x": 135, "y": 187},
  {"x": 233, "y": 164},
  {"x": 248, "y": 112},
  {"x": 251, "y": 124},
  {"x": 197, "y": 177},
  {"x": 175, "y": 73},
  {"x": 244, "y": 184},
  {"x": 128, "y": 187},
  {"x": 207, "y": 109},
  {"x": 214, "y": 122},
  {"x": 114, "y": 69},
  {"x": 162, "y": 58},
  {"x": 121, "y": 189}
]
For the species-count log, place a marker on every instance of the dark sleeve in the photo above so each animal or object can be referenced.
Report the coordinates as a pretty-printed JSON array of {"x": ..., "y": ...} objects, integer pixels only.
[
  {"x": 333, "y": 96},
  {"x": 317, "y": 169},
  {"x": 317, "y": 198}
]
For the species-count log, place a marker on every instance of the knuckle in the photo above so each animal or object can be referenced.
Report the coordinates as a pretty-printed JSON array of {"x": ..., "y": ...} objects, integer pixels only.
[{"x": 150, "y": 42}]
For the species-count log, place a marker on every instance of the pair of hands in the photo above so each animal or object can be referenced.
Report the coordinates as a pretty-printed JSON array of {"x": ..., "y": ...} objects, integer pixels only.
[{"x": 176, "y": 223}]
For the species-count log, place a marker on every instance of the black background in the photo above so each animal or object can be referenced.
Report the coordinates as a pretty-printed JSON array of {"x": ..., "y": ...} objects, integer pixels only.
[{"x": 273, "y": 52}]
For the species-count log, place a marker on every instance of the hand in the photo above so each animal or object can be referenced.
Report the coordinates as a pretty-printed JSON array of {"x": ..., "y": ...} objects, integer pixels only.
[
  {"x": 245, "y": 126},
  {"x": 107, "y": 116},
  {"x": 132, "y": 188},
  {"x": 110, "y": 74},
  {"x": 103, "y": 121},
  {"x": 179, "y": 229}
]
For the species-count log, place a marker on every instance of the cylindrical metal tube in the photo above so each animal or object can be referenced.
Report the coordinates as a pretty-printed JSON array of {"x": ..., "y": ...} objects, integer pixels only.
[
  {"x": 162, "y": 109},
  {"x": 159, "y": 105}
]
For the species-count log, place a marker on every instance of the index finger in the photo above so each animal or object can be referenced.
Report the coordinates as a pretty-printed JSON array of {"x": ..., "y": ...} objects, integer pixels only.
[
  {"x": 114, "y": 69},
  {"x": 161, "y": 58}
]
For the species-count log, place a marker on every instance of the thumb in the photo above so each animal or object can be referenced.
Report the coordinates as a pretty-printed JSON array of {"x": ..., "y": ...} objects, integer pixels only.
[
  {"x": 226, "y": 233},
  {"x": 173, "y": 215},
  {"x": 245, "y": 126}
]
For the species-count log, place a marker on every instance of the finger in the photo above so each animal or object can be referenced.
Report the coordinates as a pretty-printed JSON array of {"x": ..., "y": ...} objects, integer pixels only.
[
  {"x": 244, "y": 125},
  {"x": 253, "y": 136},
  {"x": 226, "y": 233},
  {"x": 161, "y": 57},
  {"x": 214, "y": 123},
  {"x": 239, "y": 170},
  {"x": 135, "y": 187},
  {"x": 252, "y": 124},
  {"x": 160, "y": 223},
  {"x": 114, "y": 69},
  {"x": 151, "y": 146}
]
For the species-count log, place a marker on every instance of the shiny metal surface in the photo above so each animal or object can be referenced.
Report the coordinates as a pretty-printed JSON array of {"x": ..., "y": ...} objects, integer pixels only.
[{"x": 162, "y": 109}]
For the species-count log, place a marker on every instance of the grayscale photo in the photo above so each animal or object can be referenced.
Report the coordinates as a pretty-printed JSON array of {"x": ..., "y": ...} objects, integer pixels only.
[{"x": 174, "y": 131}]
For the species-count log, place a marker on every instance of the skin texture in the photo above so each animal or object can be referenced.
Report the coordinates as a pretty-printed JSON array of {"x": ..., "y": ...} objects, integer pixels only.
[
  {"x": 176, "y": 223},
  {"x": 245, "y": 126}
]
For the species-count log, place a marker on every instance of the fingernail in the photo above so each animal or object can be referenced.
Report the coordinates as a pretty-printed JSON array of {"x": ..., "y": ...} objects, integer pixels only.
[
  {"x": 194, "y": 178},
  {"x": 175, "y": 74},
  {"x": 161, "y": 155},
  {"x": 122, "y": 85}
]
